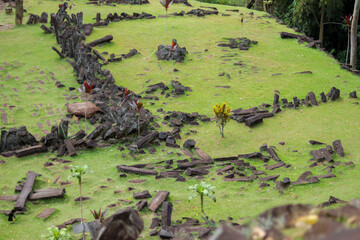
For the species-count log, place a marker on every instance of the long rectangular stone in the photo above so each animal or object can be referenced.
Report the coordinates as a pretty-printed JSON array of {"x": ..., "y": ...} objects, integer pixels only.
[
  {"x": 46, "y": 213},
  {"x": 158, "y": 200},
  {"x": 25, "y": 192},
  {"x": 276, "y": 165},
  {"x": 124, "y": 168},
  {"x": 30, "y": 150}
]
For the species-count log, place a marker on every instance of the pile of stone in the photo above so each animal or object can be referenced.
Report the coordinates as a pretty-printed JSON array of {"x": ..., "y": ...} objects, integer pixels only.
[
  {"x": 113, "y": 2},
  {"x": 255, "y": 115},
  {"x": 178, "y": 89},
  {"x": 201, "y": 12},
  {"x": 117, "y": 18},
  {"x": 124, "y": 16},
  {"x": 119, "y": 116},
  {"x": 15, "y": 140},
  {"x": 167, "y": 53},
  {"x": 34, "y": 19},
  {"x": 240, "y": 43}
]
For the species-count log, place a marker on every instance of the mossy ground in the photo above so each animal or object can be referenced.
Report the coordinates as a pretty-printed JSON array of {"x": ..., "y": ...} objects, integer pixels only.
[{"x": 31, "y": 48}]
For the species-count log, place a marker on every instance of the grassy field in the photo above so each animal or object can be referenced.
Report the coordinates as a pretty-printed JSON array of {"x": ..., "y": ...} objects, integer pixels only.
[{"x": 32, "y": 65}]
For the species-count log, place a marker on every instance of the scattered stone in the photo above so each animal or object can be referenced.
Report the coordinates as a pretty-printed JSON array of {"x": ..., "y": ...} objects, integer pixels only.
[
  {"x": 166, "y": 211},
  {"x": 262, "y": 185},
  {"x": 338, "y": 148},
  {"x": 190, "y": 143},
  {"x": 141, "y": 205},
  {"x": 313, "y": 142},
  {"x": 276, "y": 165},
  {"x": 47, "y": 212},
  {"x": 353, "y": 94},
  {"x": 25, "y": 192},
  {"x": 333, "y": 94},
  {"x": 240, "y": 43},
  {"x": 158, "y": 200},
  {"x": 142, "y": 195},
  {"x": 78, "y": 199},
  {"x": 107, "y": 38},
  {"x": 269, "y": 178}
]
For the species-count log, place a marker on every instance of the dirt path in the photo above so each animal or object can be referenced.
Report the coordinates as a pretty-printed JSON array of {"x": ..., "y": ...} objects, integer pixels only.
[{"x": 4, "y": 26}]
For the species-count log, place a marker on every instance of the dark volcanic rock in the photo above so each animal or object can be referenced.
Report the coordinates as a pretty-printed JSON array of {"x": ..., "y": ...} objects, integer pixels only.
[
  {"x": 240, "y": 43},
  {"x": 142, "y": 195},
  {"x": 190, "y": 143},
  {"x": 165, "y": 53},
  {"x": 333, "y": 94},
  {"x": 353, "y": 94}
]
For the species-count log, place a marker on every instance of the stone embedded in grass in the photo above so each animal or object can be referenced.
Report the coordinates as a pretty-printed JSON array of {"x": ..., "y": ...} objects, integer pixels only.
[
  {"x": 240, "y": 43},
  {"x": 338, "y": 148},
  {"x": 78, "y": 199},
  {"x": 353, "y": 94},
  {"x": 47, "y": 212},
  {"x": 201, "y": 12},
  {"x": 141, "y": 205},
  {"x": 142, "y": 195},
  {"x": 137, "y": 181},
  {"x": 333, "y": 94},
  {"x": 155, "y": 222}
]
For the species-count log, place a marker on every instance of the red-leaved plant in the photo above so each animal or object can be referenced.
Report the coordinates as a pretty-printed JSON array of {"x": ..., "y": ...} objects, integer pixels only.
[
  {"x": 86, "y": 89},
  {"x": 348, "y": 20},
  {"x": 137, "y": 105},
  {"x": 99, "y": 215},
  {"x": 126, "y": 92},
  {"x": 173, "y": 45},
  {"x": 166, "y": 4}
]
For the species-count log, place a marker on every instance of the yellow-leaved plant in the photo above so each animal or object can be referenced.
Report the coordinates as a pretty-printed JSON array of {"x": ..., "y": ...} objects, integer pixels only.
[{"x": 222, "y": 115}]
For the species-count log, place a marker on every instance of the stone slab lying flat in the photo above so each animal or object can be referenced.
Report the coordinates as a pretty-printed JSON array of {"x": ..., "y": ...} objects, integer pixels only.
[
  {"x": 47, "y": 212},
  {"x": 141, "y": 171}
]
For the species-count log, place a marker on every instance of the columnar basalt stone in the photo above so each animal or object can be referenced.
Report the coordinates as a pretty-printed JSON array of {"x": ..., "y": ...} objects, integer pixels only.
[{"x": 43, "y": 18}]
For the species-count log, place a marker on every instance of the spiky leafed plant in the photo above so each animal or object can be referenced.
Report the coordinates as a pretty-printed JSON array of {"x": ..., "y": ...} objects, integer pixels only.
[
  {"x": 126, "y": 93},
  {"x": 78, "y": 172},
  {"x": 222, "y": 115},
  {"x": 348, "y": 20},
  {"x": 137, "y": 104},
  {"x": 99, "y": 215},
  {"x": 166, "y": 4},
  {"x": 201, "y": 190}
]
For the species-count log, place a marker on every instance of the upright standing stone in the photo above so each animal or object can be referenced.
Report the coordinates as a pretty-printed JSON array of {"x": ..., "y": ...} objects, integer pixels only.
[{"x": 19, "y": 11}]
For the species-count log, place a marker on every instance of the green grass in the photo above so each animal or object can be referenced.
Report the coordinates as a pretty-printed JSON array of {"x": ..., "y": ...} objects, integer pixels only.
[{"x": 254, "y": 85}]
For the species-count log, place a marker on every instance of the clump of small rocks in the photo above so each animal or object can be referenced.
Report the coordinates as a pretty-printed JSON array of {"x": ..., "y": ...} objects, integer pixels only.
[{"x": 171, "y": 53}]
